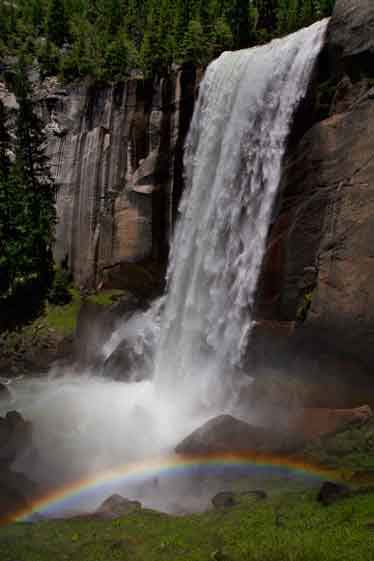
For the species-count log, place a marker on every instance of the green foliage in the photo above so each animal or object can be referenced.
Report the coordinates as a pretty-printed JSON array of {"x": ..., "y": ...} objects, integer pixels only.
[
  {"x": 57, "y": 23},
  {"x": 105, "y": 39},
  {"x": 27, "y": 203},
  {"x": 59, "y": 293},
  {"x": 288, "y": 526}
]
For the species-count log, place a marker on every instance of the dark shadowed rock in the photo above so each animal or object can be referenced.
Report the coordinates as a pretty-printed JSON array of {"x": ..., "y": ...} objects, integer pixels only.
[
  {"x": 227, "y": 434},
  {"x": 4, "y": 392},
  {"x": 224, "y": 499},
  {"x": 15, "y": 437},
  {"x": 125, "y": 364},
  {"x": 351, "y": 34},
  {"x": 332, "y": 492},
  {"x": 96, "y": 323},
  {"x": 16, "y": 492},
  {"x": 116, "y": 506}
]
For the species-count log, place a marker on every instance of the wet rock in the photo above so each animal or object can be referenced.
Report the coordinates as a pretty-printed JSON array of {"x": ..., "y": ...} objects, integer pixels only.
[
  {"x": 332, "y": 492},
  {"x": 116, "y": 506},
  {"x": 125, "y": 364},
  {"x": 4, "y": 392},
  {"x": 224, "y": 499},
  {"x": 95, "y": 324},
  {"x": 15, "y": 437},
  {"x": 16, "y": 492}
]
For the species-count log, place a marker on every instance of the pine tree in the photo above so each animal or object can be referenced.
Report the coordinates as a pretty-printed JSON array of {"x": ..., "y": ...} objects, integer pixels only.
[
  {"x": 35, "y": 187},
  {"x": 4, "y": 201},
  {"x": 57, "y": 23}
]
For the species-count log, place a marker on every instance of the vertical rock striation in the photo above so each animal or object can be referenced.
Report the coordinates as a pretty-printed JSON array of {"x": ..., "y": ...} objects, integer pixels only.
[{"x": 116, "y": 153}]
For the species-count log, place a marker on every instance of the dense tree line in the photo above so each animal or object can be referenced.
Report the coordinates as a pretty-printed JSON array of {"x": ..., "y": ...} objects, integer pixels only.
[
  {"x": 27, "y": 205},
  {"x": 107, "y": 38}
]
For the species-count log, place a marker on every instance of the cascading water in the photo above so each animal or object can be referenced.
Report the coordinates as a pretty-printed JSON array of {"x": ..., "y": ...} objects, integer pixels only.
[
  {"x": 233, "y": 163},
  {"x": 233, "y": 159}
]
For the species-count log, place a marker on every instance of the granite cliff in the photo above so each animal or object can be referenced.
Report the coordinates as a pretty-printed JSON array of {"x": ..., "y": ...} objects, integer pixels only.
[
  {"x": 116, "y": 154},
  {"x": 319, "y": 268}
]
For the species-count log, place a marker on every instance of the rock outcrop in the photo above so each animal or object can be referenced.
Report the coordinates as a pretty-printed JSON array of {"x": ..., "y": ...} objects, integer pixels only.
[
  {"x": 325, "y": 276},
  {"x": 16, "y": 490},
  {"x": 117, "y": 158}
]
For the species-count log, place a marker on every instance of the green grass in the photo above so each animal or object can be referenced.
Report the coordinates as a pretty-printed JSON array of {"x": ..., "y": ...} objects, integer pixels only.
[
  {"x": 63, "y": 319},
  {"x": 106, "y": 297},
  {"x": 286, "y": 527},
  {"x": 350, "y": 448}
]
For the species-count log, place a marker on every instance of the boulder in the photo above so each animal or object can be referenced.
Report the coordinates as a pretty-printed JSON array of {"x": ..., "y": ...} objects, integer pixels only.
[
  {"x": 224, "y": 499},
  {"x": 116, "y": 506},
  {"x": 15, "y": 437},
  {"x": 16, "y": 492},
  {"x": 332, "y": 492},
  {"x": 95, "y": 324},
  {"x": 225, "y": 434},
  {"x": 125, "y": 364}
]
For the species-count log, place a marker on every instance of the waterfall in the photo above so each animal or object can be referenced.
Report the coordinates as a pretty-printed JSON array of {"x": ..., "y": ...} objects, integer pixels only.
[
  {"x": 233, "y": 163},
  {"x": 198, "y": 332}
]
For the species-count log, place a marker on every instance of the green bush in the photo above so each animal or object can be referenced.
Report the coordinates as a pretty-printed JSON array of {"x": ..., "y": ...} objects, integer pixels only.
[{"x": 59, "y": 293}]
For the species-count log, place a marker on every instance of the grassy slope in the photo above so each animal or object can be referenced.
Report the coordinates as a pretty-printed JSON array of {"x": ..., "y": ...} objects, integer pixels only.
[
  {"x": 63, "y": 319},
  {"x": 285, "y": 527}
]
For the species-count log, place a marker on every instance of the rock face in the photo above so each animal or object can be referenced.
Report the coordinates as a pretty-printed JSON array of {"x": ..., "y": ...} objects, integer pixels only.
[
  {"x": 313, "y": 423},
  {"x": 326, "y": 275},
  {"x": 351, "y": 34},
  {"x": 117, "y": 158}
]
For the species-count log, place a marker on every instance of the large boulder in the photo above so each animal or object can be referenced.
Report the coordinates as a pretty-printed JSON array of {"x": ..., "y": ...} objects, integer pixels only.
[
  {"x": 225, "y": 434},
  {"x": 117, "y": 506}
]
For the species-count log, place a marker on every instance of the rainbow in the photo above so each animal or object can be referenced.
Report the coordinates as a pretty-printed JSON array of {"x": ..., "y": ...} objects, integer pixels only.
[{"x": 173, "y": 465}]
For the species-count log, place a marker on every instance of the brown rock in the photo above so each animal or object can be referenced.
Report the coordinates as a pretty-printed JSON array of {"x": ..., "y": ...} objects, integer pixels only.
[
  {"x": 116, "y": 506},
  {"x": 332, "y": 492},
  {"x": 351, "y": 34},
  {"x": 117, "y": 153},
  {"x": 312, "y": 423},
  {"x": 224, "y": 499},
  {"x": 225, "y": 434}
]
